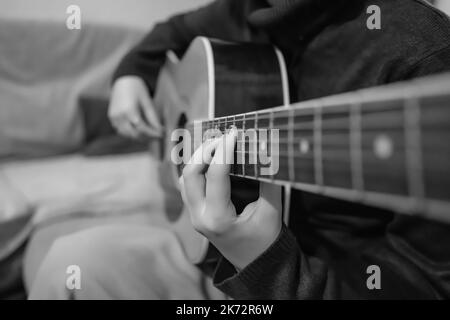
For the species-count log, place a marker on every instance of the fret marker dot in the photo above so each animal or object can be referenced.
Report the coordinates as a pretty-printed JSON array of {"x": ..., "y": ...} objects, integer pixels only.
[
  {"x": 383, "y": 147},
  {"x": 304, "y": 146},
  {"x": 263, "y": 146}
]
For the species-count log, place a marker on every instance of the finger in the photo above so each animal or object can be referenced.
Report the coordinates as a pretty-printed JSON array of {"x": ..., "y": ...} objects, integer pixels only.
[
  {"x": 194, "y": 175},
  {"x": 147, "y": 131},
  {"x": 218, "y": 189},
  {"x": 202, "y": 157},
  {"x": 134, "y": 118},
  {"x": 126, "y": 129},
  {"x": 139, "y": 127},
  {"x": 115, "y": 122},
  {"x": 150, "y": 114},
  {"x": 123, "y": 124}
]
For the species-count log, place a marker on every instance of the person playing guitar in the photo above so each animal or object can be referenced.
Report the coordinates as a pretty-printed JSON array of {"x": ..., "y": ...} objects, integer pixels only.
[{"x": 330, "y": 245}]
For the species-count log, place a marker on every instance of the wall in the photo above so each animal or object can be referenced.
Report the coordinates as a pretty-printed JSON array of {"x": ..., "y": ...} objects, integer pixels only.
[
  {"x": 134, "y": 13},
  {"x": 444, "y": 5}
]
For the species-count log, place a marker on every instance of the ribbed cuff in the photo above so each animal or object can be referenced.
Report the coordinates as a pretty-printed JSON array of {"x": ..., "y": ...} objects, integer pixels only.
[{"x": 246, "y": 283}]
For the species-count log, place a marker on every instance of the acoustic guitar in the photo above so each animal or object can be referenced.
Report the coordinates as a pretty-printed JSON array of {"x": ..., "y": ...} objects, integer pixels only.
[{"x": 387, "y": 147}]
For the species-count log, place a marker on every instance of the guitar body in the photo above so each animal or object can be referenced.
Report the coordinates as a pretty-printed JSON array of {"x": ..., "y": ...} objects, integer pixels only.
[{"x": 214, "y": 79}]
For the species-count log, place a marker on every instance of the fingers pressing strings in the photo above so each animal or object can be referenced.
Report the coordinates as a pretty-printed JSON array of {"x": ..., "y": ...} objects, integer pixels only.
[
  {"x": 193, "y": 178},
  {"x": 206, "y": 179},
  {"x": 218, "y": 189}
]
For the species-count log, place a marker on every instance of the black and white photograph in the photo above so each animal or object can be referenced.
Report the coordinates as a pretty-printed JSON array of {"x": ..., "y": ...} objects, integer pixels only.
[{"x": 224, "y": 155}]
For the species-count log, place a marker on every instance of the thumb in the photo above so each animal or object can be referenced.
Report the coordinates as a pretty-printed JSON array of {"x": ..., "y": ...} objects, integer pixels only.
[{"x": 270, "y": 197}]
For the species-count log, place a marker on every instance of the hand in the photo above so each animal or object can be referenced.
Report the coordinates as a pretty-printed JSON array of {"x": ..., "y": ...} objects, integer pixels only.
[
  {"x": 206, "y": 191},
  {"x": 131, "y": 110}
]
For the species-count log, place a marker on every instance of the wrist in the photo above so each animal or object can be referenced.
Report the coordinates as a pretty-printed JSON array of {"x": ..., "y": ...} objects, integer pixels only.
[{"x": 241, "y": 251}]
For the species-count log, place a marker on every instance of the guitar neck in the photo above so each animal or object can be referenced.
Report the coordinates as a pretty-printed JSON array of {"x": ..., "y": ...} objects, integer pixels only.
[{"x": 387, "y": 146}]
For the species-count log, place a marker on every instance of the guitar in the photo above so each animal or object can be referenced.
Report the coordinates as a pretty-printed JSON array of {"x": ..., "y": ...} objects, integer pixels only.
[{"x": 387, "y": 147}]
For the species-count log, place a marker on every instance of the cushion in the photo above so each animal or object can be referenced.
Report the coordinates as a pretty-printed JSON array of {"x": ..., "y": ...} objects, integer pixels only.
[{"x": 45, "y": 70}]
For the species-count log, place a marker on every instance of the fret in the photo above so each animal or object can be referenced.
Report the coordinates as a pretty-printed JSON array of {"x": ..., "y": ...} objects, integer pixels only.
[
  {"x": 238, "y": 123},
  {"x": 269, "y": 138},
  {"x": 435, "y": 137},
  {"x": 250, "y": 143},
  {"x": 262, "y": 122},
  {"x": 255, "y": 169},
  {"x": 318, "y": 171},
  {"x": 383, "y": 148},
  {"x": 211, "y": 132},
  {"x": 240, "y": 156},
  {"x": 204, "y": 126},
  {"x": 208, "y": 125},
  {"x": 356, "y": 148},
  {"x": 291, "y": 145},
  {"x": 414, "y": 152},
  {"x": 196, "y": 132},
  {"x": 335, "y": 146},
  {"x": 221, "y": 125},
  {"x": 243, "y": 146},
  {"x": 250, "y": 117},
  {"x": 225, "y": 124},
  {"x": 216, "y": 124},
  {"x": 303, "y": 136},
  {"x": 281, "y": 120},
  {"x": 249, "y": 122},
  {"x": 229, "y": 124}
]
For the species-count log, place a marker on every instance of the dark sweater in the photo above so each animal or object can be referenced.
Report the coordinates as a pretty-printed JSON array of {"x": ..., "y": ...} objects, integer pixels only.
[{"x": 329, "y": 50}]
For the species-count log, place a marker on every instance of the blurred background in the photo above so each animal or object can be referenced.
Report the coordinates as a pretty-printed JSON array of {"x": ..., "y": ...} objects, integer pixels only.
[
  {"x": 132, "y": 13},
  {"x": 62, "y": 166}
]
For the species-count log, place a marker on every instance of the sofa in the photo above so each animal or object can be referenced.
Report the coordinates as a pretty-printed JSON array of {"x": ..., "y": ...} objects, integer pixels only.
[{"x": 62, "y": 167}]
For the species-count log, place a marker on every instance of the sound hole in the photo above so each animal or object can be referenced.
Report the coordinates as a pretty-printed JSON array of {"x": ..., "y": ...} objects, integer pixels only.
[{"x": 180, "y": 125}]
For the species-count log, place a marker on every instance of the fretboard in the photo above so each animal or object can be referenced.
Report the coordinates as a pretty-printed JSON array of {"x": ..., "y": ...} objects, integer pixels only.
[{"x": 387, "y": 146}]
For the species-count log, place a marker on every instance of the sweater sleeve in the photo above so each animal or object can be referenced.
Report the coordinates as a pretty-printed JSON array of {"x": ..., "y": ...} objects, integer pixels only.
[
  {"x": 386, "y": 268},
  {"x": 224, "y": 19},
  {"x": 281, "y": 272}
]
